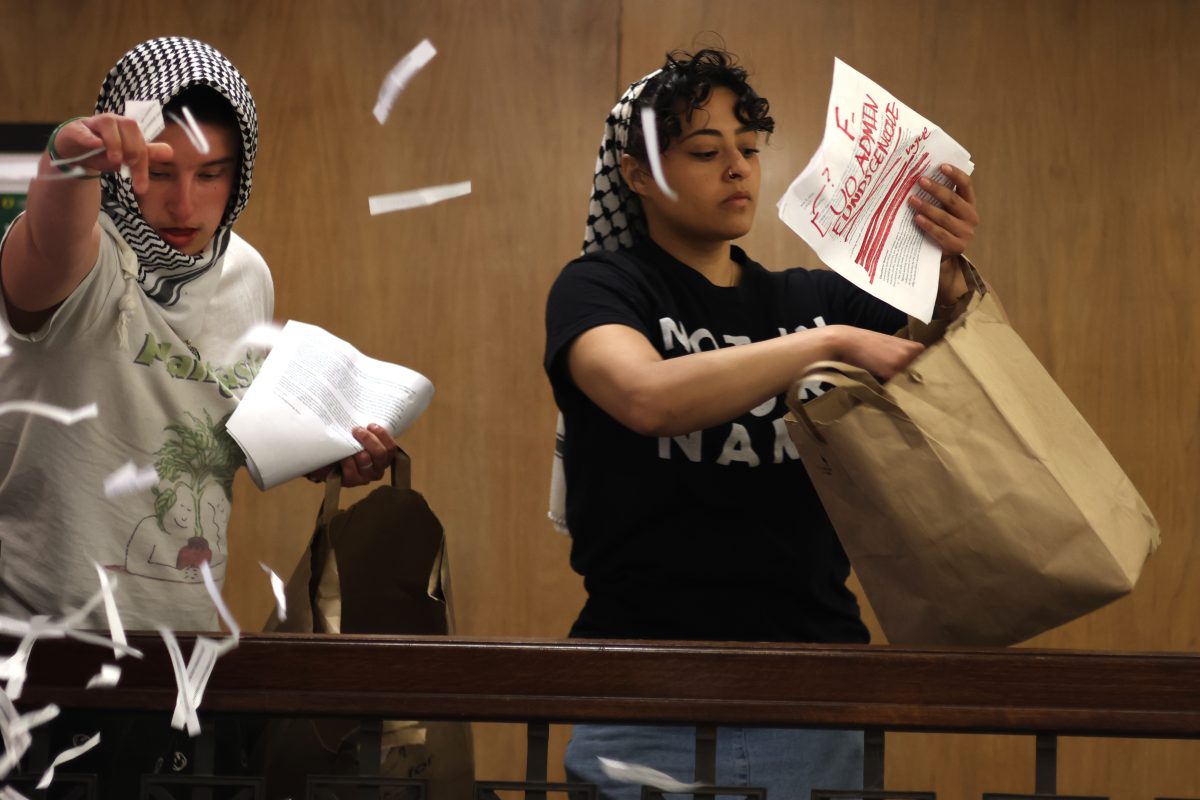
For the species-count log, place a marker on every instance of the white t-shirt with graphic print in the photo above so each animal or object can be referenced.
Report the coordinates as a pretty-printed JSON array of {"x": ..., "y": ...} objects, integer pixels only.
[{"x": 159, "y": 405}]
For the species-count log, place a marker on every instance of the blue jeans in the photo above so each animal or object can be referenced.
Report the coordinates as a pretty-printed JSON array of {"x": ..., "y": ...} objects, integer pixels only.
[{"x": 789, "y": 763}]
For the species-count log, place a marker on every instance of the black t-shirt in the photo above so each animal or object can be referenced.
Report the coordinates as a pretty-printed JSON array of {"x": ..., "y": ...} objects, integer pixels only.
[{"x": 716, "y": 535}]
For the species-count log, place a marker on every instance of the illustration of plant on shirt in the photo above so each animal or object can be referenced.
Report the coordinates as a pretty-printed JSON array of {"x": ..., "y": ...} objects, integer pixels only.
[{"x": 195, "y": 468}]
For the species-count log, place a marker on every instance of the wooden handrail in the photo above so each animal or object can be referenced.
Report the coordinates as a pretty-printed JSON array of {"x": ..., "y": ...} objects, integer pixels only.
[{"x": 1006, "y": 691}]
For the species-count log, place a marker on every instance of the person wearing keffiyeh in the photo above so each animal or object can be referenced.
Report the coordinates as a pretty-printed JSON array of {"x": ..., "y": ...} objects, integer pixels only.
[{"x": 668, "y": 350}]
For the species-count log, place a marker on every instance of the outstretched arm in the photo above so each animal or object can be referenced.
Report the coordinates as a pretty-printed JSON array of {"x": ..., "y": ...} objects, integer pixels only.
[{"x": 55, "y": 244}]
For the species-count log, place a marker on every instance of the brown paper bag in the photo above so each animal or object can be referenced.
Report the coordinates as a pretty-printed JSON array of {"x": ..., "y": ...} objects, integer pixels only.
[
  {"x": 379, "y": 566},
  {"x": 975, "y": 503}
]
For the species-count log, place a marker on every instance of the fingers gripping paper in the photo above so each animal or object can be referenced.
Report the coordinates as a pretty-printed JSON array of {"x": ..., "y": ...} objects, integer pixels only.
[
  {"x": 850, "y": 202},
  {"x": 312, "y": 389},
  {"x": 975, "y": 503}
]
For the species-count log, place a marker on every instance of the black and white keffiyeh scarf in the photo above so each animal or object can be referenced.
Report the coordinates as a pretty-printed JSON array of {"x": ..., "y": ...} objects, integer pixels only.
[
  {"x": 614, "y": 216},
  {"x": 159, "y": 70}
]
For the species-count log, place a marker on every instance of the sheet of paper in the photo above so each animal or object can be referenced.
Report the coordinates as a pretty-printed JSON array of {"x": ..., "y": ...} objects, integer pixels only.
[
  {"x": 312, "y": 389},
  {"x": 850, "y": 202}
]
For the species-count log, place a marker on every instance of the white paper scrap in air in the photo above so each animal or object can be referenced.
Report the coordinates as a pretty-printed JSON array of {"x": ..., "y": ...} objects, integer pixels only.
[
  {"x": 644, "y": 776},
  {"x": 129, "y": 479},
  {"x": 850, "y": 204},
  {"x": 110, "y": 610},
  {"x": 277, "y": 588},
  {"x": 65, "y": 162},
  {"x": 73, "y": 173},
  {"x": 400, "y": 75},
  {"x": 415, "y": 198},
  {"x": 187, "y": 123},
  {"x": 64, "y": 757},
  {"x": 108, "y": 677},
  {"x": 650, "y": 132},
  {"x": 15, "y": 731},
  {"x": 64, "y": 416},
  {"x": 192, "y": 679}
]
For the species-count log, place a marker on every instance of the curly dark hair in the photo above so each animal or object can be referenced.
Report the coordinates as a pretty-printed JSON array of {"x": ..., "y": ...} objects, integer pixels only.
[{"x": 684, "y": 85}]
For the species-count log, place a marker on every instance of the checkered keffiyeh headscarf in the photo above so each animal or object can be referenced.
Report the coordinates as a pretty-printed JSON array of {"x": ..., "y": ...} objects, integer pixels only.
[
  {"x": 160, "y": 69},
  {"x": 614, "y": 216},
  {"x": 614, "y": 212}
]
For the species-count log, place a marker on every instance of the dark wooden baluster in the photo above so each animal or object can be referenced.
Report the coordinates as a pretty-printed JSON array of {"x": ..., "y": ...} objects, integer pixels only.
[
  {"x": 706, "y": 757},
  {"x": 1045, "y": 779},
  {"x": 873, "y": 763},
  {"x": 537, "y": 756},
  {"x": 370, "y": 755}
]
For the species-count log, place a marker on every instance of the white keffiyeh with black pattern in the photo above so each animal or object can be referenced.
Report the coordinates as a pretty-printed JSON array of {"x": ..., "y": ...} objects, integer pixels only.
[
  {"x": 159, "y": 70},
  {"x": 614, "y": 215}
]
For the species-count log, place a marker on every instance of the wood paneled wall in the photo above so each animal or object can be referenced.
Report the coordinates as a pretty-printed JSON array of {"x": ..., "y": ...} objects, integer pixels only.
[{"x": 1080, "y": 117}]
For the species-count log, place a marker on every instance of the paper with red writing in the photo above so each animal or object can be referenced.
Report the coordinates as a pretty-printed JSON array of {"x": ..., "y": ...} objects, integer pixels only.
[{"x": 850, "y": 204}]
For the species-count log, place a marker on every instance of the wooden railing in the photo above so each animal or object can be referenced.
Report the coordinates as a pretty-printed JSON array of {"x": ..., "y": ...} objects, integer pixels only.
[{"x": 1018, "y": 691}]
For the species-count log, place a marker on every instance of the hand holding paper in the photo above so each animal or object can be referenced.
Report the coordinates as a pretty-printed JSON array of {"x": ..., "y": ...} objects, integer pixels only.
[
  {"x": 850, "y": 204},
  {"x": 312, "y": 391}
]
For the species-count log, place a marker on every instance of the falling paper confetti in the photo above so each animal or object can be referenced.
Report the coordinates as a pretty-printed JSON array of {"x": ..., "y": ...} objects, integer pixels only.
[
  {"x": 193, "y": 678},
  {"x": 190, "y": 129},
  {"x": 645, "y": 776},
  {"x": 63, "y": 162},
  {"x": 108, "y": 677},
  {"x": 15, "y": 728},
  {"x": 402, "y": 201},
  {"x": 650, "y": 132},
  {"x": 129, "y": 479},
  {"x": 64, "y": 757},
  {"x": 399, "y": 77},
  {"x": 62, "y": 415},
  {"x": 110, "y": 611},
  {"x": 278, "y": 589},
  {"x": 13, "y": 668}
]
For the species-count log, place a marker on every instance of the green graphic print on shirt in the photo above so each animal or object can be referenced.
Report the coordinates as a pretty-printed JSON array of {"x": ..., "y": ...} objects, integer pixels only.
[{"x": 195, "y": 467}]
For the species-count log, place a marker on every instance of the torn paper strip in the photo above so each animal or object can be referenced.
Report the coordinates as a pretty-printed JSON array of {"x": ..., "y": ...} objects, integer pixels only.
[
  {"x": 108, "y": 677},
  {"x": 129, "y": 479},
  {"x": 64, "y": 757},
  {"x": 15, "y": 731},
  {"x": 650, "y": 132},
  {"x": 65, "y": 162},
  {"x": 61, "y": 415},
  {"x": 415, "y": 198},
  {"x": 850, "y": 202},
  {"x": 399, "y": 76},
  {"x": 110, "y": 610},
  {"x": 645, "y": 776},
  {"x": 277, "y": 588},
  {"x": 190, "y": 129},
  {"x": 192, "y": 679}
]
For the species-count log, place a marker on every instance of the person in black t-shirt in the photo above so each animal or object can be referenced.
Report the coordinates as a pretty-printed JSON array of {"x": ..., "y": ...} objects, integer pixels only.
[{"x": 669, "y": 352}]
